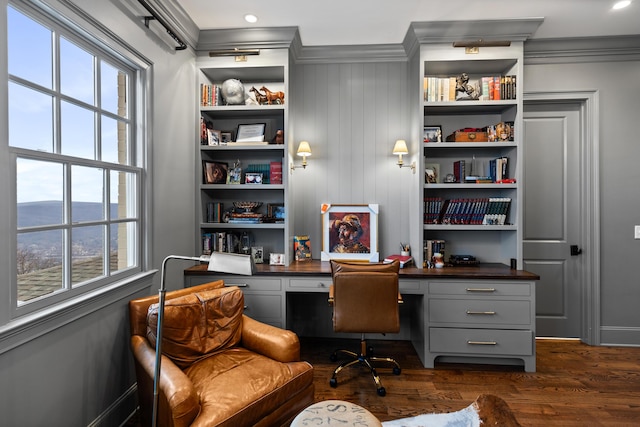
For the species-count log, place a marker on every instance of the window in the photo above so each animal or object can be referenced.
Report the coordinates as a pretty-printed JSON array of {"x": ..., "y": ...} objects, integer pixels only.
[{"x": 78, "y": 171}]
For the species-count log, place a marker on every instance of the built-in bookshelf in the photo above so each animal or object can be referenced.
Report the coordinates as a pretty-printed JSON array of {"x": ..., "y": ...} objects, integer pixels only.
[
  {"x": 472, "y": 176},
  {"x": 241, "y": 153}
]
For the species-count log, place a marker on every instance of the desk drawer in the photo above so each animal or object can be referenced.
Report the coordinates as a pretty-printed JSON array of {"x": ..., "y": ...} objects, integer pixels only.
[
  {"x": 260, "y": 307},
  {"x": 247, "y": 284},
  {"x": 311, "y": 284},
  {"x": 484, "y": 288},
  {"x": 481, "y": 341},
  {"x": 474, "y": 311}
]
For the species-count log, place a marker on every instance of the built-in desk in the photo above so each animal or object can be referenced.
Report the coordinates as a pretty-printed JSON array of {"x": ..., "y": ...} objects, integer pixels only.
[{"x": 481, "y": 314}]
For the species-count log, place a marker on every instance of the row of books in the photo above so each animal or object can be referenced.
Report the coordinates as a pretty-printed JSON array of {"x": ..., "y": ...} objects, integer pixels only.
[
  {"x": 220, "y": 242},
  {"x": 490, "y": 88},
  {"x": 214, "y": 211},
  {"x": 429, "y": 248},
  {"x": 467, "y": 211},
  {"x": 498, "y": 171},
  {"x": 210, "y": 95}
]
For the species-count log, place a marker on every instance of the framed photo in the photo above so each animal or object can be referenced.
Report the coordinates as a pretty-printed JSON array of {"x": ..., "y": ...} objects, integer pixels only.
[
  {"x": 276, "y": 211},
  {"x": 257, "y": 254},
  {"x": 214, "y": 172},
  {"x": 251, "y": 133},
  {"x": 432, "y": 173},
  {"x": 225, "y": 137},
  {"x": 214, "y": 136},
  {"x": 349, "y": 232},
  {"x": 432, "y": 133},
  {"x": 276, "y": 259},
  {"x": 253, "y": 178}
]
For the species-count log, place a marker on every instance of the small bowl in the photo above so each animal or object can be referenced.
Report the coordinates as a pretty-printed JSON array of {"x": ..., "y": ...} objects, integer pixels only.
[{"x": 247, "y": 206}]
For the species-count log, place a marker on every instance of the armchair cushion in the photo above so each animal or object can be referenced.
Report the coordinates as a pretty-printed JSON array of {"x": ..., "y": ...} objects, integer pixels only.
[{"x": 199, "y": 324}]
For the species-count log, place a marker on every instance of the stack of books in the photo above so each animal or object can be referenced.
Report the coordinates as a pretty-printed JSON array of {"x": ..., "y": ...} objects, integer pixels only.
[{"x": 245, "y": 218}]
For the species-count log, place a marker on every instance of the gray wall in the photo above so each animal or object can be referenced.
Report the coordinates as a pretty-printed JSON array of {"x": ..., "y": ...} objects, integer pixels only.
[
  {"x": 618, "y": 85},
  {"x": 351, "y": 114},
  {"x": 75, "y": 367}
]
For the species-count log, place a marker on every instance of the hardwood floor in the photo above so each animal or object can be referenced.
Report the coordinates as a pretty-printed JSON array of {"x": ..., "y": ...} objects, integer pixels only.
[{"x": 575, "y": 384}]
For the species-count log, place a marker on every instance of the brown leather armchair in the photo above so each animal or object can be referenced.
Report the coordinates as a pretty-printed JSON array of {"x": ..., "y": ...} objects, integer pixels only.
[
  {"x": 365, "y": 299},
  {"x": 219, "y": 367}
]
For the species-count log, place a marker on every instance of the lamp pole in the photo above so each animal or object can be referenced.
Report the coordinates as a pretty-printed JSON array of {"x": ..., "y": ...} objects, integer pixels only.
[{"x": 162, "y": 293}]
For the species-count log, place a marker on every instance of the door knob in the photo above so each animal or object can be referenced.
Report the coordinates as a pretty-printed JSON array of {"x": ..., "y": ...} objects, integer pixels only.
[{"x": 575, "y": 250}]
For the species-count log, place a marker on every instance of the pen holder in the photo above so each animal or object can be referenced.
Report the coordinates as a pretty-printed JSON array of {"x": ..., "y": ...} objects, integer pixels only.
[{"x": 405, "y": 253}]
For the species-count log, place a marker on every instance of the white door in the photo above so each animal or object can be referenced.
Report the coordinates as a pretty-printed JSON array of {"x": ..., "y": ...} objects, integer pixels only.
[{"x": 551, "y": 235}]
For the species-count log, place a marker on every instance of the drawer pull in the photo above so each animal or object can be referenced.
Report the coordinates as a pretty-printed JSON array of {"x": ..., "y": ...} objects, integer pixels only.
[
  {"x": 482, "y": 343},
  {"x": 321, "y": 285},
  {"x": 240, "y": 285},
  {"x": 481, "y": 289},
  {"x": 485, "y": 313}
]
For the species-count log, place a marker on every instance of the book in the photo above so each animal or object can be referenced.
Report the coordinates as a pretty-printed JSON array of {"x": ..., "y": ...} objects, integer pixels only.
[
  {"x": 301, "y": 248},
  {"x": 405, "y": 260},
  {"x": 459, "y": 170}
]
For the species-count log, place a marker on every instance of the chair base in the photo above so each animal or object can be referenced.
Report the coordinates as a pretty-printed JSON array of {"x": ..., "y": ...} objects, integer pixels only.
[{"x": 365, "y": 358}]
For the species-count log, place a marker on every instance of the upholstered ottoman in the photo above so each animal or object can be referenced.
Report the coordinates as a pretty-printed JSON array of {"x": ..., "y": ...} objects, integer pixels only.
[{"x": 335, "y": 412}]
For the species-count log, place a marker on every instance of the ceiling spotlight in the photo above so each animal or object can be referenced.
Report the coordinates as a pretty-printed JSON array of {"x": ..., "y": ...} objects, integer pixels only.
[
  {"x": 252, "y": 19},
  {"x": 621, "y": 4}
]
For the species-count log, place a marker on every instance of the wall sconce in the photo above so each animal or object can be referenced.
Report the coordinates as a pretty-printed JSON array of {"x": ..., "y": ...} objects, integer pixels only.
[
  {"x": 304, "y": 150},
  {"x": 400, "y": 148}
]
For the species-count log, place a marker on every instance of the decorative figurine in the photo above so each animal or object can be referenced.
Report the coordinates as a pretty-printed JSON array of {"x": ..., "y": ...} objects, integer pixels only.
[
  {"x": 273, "y": 97},
  {"x": 462, "y": 85},
  {"x": 278, "y": 137},
  {"x": 261, "y": 98}
]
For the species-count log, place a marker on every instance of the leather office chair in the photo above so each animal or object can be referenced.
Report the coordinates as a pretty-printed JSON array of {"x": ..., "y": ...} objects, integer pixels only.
[{"x": 365, "y": 299}]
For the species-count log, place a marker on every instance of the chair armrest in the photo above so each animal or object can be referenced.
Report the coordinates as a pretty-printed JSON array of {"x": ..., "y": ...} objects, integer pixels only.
[
  {"x": 276, "y": 343},
  {"x": 174, "y": 388}
]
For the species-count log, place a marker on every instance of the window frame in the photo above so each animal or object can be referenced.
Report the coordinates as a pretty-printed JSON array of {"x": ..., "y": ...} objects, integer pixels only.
[{"x": 104, "y": 46}]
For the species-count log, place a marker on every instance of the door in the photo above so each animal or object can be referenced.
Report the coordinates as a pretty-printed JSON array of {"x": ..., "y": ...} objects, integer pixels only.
[{"x": 551, "y": 217}]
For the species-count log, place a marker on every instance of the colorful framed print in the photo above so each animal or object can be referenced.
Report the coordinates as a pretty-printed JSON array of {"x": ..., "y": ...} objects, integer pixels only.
[{"x": 349, "y": 232}]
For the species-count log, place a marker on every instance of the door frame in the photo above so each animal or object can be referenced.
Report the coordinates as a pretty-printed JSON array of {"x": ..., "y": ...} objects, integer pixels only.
[{"x": 590, "y": 202}]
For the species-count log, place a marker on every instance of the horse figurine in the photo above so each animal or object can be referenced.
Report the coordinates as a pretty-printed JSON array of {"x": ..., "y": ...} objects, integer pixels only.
[
  {"x": 261, "y": 98},
  {"x": 273, "y": 97}
]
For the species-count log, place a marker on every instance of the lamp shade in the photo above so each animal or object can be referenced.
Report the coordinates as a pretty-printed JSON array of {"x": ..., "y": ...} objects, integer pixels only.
[
  {"x": 304, "y": 149},
  {"x": 400, "y": 147}
]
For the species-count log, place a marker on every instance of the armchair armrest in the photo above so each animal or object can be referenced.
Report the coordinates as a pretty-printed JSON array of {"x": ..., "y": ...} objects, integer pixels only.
[
  {"x": 175, "y": 388},
  {"x": 276, "y": 343}
]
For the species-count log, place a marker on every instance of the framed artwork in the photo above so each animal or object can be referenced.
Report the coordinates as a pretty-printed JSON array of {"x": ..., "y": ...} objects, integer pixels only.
[
  {"x": 432, "y": 133},
  {"x": 432, "y": 173},
  {"x": 252, "y": 178},
  {"x": 349, "y": 232},
  {"x": 225, "y": 137},
  {"x": 276, "y": 211},
  {"x": 251, "y": 133},
  {"x": 214, "y": 172},
  {"x": 214, "y": 136},
  {"x": 257, "y": 254}
]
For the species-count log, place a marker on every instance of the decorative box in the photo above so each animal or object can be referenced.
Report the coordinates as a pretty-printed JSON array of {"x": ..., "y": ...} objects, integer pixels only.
[{"x": 468, "y": 135}]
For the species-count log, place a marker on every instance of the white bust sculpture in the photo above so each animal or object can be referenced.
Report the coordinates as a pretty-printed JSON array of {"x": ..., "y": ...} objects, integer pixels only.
[{"x": 233, "y": 92}]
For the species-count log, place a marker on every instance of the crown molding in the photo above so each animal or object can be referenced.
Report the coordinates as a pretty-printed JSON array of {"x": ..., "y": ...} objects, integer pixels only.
[
  {"x": 487, "y": 30},
  {"x": 247, "y": 38},
  {"x": 350, "y": 53},
  {"x": 582, "y": 49}
]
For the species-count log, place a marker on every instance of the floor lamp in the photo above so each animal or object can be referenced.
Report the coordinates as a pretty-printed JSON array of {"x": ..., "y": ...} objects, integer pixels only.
[{"x": 220, "y": 262}]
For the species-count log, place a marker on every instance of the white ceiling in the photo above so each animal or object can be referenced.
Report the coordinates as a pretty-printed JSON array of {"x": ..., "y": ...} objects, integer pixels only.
[{"x": 357, "y": 22}]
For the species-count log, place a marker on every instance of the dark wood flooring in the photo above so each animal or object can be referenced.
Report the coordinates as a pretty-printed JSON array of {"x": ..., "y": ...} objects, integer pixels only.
[{"x": 574, "y": 385}]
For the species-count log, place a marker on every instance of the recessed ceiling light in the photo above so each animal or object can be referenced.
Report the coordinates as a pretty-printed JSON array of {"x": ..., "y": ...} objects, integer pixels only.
[
  {"x": 252, "y": 19},
  {"x": 622, "y": 4}
]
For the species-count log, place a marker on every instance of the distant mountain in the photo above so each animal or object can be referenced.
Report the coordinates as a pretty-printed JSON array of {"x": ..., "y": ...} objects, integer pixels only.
[{"x": 32, "y": 214}]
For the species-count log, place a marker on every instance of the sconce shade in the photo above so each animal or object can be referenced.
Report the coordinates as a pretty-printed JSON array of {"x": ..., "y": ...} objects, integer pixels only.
[
  {"x": 304, "y": 149},
  {"x": 400, "y": 147}
]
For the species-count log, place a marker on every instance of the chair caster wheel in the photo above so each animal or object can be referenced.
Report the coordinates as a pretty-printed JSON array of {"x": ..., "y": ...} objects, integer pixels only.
[
  {"x": 397, "y": 370},
  {"x": 382, "y": 391},
  {"x": 333, "y": 382},
  {"x": 333, "y": 357}
]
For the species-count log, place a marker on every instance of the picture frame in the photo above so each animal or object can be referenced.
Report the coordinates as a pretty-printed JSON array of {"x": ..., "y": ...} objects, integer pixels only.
[
  {"x": 432, "y": 173},
  {"x": 349, "y": 232},
  {"x": 214, "y": 137},
  {"x": 276, "y": 211},
  {"x": 251, "y": 132},
  {"x": 257, "y": 254},
  {"x": 276, "y": 259},
  {"x": 226, "y": 136},
  {"x": 214, "y": 172},
  {"x": 253, "y": 178},
  {"x": 432, "y": 133}
]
